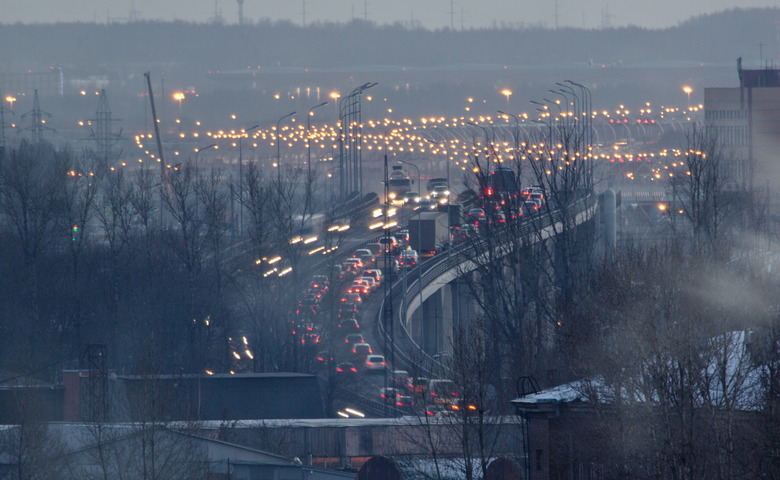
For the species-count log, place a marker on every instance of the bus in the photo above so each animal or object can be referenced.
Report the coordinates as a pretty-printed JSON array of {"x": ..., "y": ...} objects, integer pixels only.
[{"x": 398, "y": 183}]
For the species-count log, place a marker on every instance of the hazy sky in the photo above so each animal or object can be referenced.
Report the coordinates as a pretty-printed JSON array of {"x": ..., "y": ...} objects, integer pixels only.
[{"x": 428, "y": 13}]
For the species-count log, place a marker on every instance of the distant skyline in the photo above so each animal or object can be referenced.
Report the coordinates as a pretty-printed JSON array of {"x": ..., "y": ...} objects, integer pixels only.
[{"x": 431, "y": 14}]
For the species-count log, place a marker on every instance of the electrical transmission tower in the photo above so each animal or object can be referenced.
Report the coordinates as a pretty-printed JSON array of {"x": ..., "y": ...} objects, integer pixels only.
[
  {"x": 38, "y": 125},
  {"x": 102, "y": 133}
]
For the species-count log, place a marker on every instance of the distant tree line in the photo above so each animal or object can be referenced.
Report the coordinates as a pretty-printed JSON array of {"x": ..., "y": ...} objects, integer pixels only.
[{"x": 193, "y": 48}]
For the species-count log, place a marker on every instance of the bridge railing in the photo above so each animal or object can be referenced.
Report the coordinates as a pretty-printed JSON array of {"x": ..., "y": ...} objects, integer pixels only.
[{"x": 444, "y": 262}]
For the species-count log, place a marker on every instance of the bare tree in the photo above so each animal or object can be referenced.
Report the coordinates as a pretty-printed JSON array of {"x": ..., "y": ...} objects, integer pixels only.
[
  {"x": 700, "y": 193},
  {"x": 213, "y": 197},
  {"x": 666, "y": 368},
  {"x": 79, "y": 192},
  {"x": 30, "y": 196},
  {"x": 186, "y": 242},
  {"x": 117, "y": 216}
]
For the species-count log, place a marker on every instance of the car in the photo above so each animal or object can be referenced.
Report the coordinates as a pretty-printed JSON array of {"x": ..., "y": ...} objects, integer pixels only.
[
  {"x": 402, "y": 236},
  {"x": 365, "y": 256},
  {"x": 408, "y": 259},
  {"x": 346, "y": 368},
  {"x": 361, "y": 351},
  {"x": 353, "y": 263},
  {"x": 400, "y": 378},
  {"x": 475, "y": 215},
  {"x": 370, "y": 281},
  {"x": 389, "y": 394},
  {"x": 319, "y": 282},
  {"x": 349, "y": 324},
  {"x": 354, "y": 338},
  {"x": 375, "y": 273},
  {"x": 374, "y": 363},
  {"x": 410, "y": 198},
  {"x": 534, "y": 192},
  {"x": 436, "y": 182},
  {"x": 440, "y": 193},
  {"x": 375, "y": 248},
  {"x": 348, "y": 310},
  {"x": 442, "y": 392},
  {"x": 426, "y": 206},
  {"x": 351, "y": 298},
  {"x": 324, "y": 356},
  {"x": 498, "y": 217},
  {"x": 389, "y": 244},
  {"x": 417, "y": 385},
  {"x": 530, "y": 206},
  {"x": 440, "y": 411},
  {"x": 464, "y": 232},
  {"x": 360, "y": 287}
]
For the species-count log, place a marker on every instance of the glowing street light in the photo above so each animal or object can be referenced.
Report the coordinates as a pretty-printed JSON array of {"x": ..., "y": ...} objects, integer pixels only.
[
  {"x": 11, "y": 99},
  {"x": 179, "y": 96},
  {"x": 688, "y": 90},
  {"x": 507, "y": 93}
]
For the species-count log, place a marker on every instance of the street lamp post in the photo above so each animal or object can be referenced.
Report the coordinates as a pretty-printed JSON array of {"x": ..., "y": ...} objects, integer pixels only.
[
  {"x": 308, "y": 138},
  {"x": 419, "y": 244},
  {"x": 278, "y": 147},
  {"x": 241, "y": 177},
  {"x": 11, "y": 99},
  {"x": 197, "y": 167},
  {"x": 197, "y": 153}
]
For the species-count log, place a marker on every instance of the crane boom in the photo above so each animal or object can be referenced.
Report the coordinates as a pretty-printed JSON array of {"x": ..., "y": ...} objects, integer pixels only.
[{"x": 156, "y": 124}]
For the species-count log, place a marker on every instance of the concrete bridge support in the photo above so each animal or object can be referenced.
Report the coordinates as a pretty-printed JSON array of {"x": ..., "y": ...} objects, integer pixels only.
[{"x": 446, "y": 309}]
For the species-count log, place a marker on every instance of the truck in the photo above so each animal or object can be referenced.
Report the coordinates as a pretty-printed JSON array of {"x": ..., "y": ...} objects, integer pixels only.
[
  {"x": 398, "y": 183},
  {"x": 428, "y": 232}
]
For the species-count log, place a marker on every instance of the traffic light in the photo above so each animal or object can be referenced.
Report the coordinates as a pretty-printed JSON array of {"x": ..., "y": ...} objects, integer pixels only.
[{"x": 74, "y": 232}]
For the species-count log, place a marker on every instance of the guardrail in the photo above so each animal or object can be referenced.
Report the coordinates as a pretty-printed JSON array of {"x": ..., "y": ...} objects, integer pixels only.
[{"x": 444, "y": 262}]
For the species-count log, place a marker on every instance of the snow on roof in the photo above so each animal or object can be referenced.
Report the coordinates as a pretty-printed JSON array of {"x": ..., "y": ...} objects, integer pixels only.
[
  {"x": 561, "y": 394},
  {"x": 730, "y": 375}
]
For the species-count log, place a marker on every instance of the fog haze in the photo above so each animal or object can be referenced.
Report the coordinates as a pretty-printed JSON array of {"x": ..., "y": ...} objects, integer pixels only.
[{"x": 432, "y": 14}]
